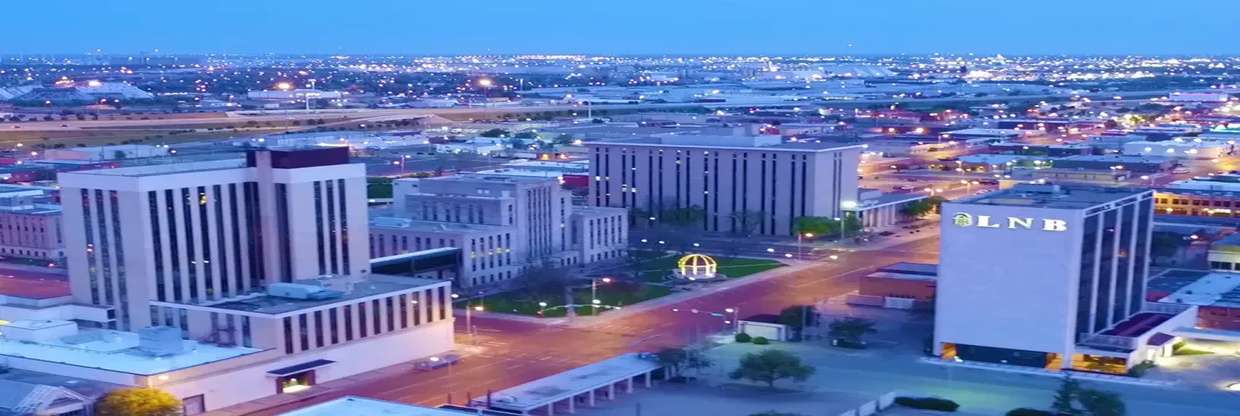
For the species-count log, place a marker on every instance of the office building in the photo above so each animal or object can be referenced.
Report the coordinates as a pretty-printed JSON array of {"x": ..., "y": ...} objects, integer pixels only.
[
  {"x": 228, "y": 281},
  {"x": 732, "y": 179},
  {"x": 1048, "y": 276},
  {"x": 503, "y": 224},
  {"x": 203, "y": 231},
  {"x": 30, "y": 224}
]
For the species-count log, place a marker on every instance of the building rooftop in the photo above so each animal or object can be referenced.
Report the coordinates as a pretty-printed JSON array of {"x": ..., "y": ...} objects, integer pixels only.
[
  {"x": 116, "y": 351},
  {"x": 1053, "y": 196},
  {"x": 1116, "y": 158},
  {"x": 907, "y": 271},
  {"x": 431, "y": 226},
  {"x": 373, "y": 284},
  {"x": 726, "y": 143},
  {"x": 166, "y": 168},
  {"x": 361, "y": 406},
  {"x": 1222, "y": 289},
  {"x": 1231, "y": 240},
  {"x": 560, "y": 386}
]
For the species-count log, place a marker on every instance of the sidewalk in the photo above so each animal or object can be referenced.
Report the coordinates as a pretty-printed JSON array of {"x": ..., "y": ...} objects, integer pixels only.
[{"x": 1106, "y": 378}]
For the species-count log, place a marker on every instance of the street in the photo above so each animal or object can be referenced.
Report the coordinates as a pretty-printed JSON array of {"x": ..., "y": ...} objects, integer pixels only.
[{"x": 505, "y": 353}]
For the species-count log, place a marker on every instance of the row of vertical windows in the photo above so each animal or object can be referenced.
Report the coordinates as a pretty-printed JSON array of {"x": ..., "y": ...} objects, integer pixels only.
[{"x": 332, "y": 326}]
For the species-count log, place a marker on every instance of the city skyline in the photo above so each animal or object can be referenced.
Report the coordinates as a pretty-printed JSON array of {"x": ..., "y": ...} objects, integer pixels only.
[{"x": 633, "y": 28}]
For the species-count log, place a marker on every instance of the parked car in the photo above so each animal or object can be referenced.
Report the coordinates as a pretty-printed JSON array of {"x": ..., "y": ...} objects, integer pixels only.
[{"x": 436, "y": 362}]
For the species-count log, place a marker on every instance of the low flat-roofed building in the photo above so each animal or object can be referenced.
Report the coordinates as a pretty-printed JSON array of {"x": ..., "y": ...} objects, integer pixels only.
[
  {"x": 285, "y": 339},
  {"x": 877, "y": 209},
  {"x": 900, "y": 285},
  {"x": 1215, "y": 294},
  {"x": 562, "y": 390},
  {"x": 1197, "y": 202},
  {"x": 1224, "y": 254},
  {"x": 1131, "y": 163}
]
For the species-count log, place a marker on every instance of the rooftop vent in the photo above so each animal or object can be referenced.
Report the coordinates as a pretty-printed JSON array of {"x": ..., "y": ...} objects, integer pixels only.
[{"x": 301, "y": 291}]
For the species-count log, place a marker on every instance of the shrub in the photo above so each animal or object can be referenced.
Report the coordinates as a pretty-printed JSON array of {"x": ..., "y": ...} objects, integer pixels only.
[
  {"x": 760, "y": 341},
  {"x": 928, "y": 403},
  {"x": 1139, "y": 370},
  {"x": 743, "y": 337},
  {"x": 1025, "y": 411}
]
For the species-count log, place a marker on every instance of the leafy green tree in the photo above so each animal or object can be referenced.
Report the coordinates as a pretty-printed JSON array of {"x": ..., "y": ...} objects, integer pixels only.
[
  {"x": 770, "y": 366},
  {"x": 922, "y": 207},
  {"x": 545, "y": 279},
  {"x": 138, "y": 401},
  {"x": 850, "y": 329},
  {"x": 676, "y": 360},
  {"x": 1065, "y": 396},
  {"x": 797, "y": 317},
  {"x": 827, "y": 227},
  {"x": 1101, "y": 403}
]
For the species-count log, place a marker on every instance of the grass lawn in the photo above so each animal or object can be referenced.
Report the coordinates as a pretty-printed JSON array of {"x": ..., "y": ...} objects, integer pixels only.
[
  {"x": 614, "y": 294},
  {"x": 655, "y": 269},
  {"x": 619, "y": 294}
]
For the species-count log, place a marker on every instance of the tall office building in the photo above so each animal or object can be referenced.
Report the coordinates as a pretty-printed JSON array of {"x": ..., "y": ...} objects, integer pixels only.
[
  {"x": 204, "y": 231},
  {"x": 734, "y": 180},
  {"x": 1047, "y": 276}
]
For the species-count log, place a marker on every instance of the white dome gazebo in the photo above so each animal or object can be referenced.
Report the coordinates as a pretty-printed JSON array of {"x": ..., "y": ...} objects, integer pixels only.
[{"x": 697, "y": 267}]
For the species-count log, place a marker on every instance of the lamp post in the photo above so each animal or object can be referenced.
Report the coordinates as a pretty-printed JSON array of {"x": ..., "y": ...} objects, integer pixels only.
[
  {"x": 594, "y": 292},
  {"x": 736, "y": 322},
  {"x": 800, "y": 247}
]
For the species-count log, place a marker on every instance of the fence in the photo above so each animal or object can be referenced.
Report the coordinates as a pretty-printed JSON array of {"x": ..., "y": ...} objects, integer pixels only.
[{"x": 871, "y": 407}]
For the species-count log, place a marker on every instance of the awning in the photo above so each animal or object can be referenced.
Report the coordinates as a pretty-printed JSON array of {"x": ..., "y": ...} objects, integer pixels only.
[{"x": 294, "y": 369}]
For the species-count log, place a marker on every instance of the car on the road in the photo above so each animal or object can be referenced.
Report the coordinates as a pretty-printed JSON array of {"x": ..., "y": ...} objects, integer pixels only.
[
  {"x": 1180, "y": 169},
  {"x": 436, "y": 362},
  {"x": 886, "y": 233}
]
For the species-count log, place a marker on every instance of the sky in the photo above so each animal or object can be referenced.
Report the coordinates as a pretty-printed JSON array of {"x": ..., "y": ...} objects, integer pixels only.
[{"x": 632, "y": 27}]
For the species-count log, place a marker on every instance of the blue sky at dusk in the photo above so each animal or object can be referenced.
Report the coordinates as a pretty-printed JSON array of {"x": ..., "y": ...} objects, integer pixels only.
[{"x": 429, "y": 27}]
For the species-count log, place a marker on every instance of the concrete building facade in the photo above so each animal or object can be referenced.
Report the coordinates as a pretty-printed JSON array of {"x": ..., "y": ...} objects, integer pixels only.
[
  {"x": 732, "y": 179},
  {"x": 205, "y": 231},
  {"x": 1046, "y": 276}
]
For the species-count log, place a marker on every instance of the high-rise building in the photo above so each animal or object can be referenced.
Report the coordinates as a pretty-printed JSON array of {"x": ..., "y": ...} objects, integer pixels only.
[
  {"x": 733, "y": 180},
  {"x": 204, "y": 231},
  {"x": 1047, "y": 276},
  {"x": 227, "y": 281}
]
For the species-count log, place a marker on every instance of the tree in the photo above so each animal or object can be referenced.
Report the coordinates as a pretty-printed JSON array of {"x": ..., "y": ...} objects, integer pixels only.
[
  {"x": 676, "y": 360},
  {"x": 770, "y": 366},
  {"x": 827, "y": 227},
  {"x": 797, "y": 317},
  {"x": 1064, "y": 397},
  {"x": 922, "y": 207},
  {"x": 138, "y": 401},
  {"x": 1101, "y": 403},
  {"x": 745, "y": 223},
  {"x": 850, "y": 329},
  {"x": 545, "y": 279}
]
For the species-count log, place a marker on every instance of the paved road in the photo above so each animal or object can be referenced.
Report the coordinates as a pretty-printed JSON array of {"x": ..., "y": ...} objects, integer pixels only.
[{"x": 511, "y": 352}]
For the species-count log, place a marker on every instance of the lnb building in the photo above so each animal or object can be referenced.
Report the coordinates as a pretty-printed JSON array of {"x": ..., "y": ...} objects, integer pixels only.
[
  {"x": 1048, "y": 276},
  {"x": 760, "y": 184}
]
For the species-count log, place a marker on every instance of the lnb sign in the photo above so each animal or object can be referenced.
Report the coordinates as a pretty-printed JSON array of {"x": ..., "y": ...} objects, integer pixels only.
[{"x": 962, "y": 219}]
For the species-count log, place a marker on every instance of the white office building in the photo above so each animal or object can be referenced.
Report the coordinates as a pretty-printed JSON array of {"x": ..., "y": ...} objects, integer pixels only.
[
  {"x": 203, "y": 231},
  {"x": 732, "y": 179},
  {"x": 1048, "y": 276},
  {"x": 224, "y": 282}
]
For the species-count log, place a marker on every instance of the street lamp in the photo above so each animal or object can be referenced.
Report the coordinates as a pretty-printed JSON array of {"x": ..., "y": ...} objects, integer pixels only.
[
  {"x": 542, "y": 308},
  {"x": 735, "y": 311},
  {"x": 800, "y": 250},
  {"x": 594, "y": 290}
]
